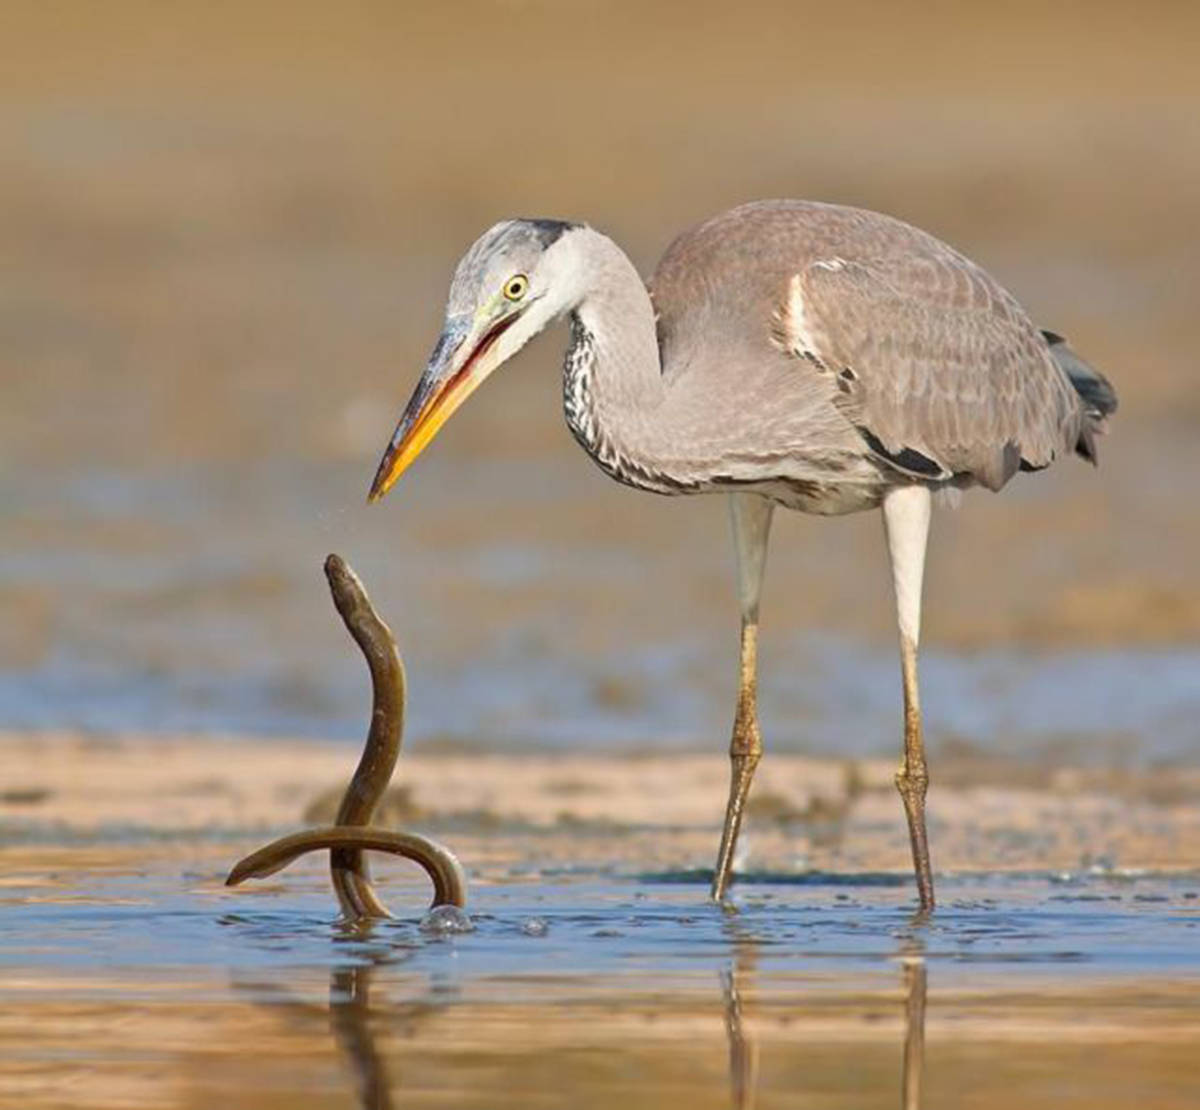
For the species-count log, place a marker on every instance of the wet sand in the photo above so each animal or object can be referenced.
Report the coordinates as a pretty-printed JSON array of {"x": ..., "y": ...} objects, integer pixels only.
[{"x": 662, "y": 811}]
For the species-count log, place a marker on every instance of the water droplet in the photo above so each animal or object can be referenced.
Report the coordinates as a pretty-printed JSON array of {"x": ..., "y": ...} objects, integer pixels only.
[{"x": 443, "y": 920}]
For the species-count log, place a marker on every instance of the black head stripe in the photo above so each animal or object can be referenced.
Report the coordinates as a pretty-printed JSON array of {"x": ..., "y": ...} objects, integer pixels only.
[{"x": 549, "y": 231}]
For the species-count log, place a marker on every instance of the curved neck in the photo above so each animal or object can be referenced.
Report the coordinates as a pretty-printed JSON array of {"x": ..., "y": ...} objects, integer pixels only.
[{"x": 612, "y": 379}]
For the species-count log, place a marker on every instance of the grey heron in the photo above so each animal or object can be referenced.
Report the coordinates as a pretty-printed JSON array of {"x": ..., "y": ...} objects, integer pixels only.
[{"x": 824, "y": 358}]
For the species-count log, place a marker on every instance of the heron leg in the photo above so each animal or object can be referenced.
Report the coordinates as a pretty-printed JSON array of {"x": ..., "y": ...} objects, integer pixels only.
[
  {"x": 751, "y": 518},
  {"x": 906, "y": 524}
]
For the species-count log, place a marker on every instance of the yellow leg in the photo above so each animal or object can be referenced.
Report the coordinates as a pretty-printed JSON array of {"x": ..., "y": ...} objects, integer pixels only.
[
  {"x": 906, "y": 525},
  {"x": 751, "y": 518},
  {"x": 745, "y": 750},
  {"x": 912, "y": 780}
]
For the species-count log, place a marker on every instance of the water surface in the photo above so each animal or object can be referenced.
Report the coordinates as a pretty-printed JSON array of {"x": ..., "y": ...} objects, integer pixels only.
[{"x": 130, "y": 977}]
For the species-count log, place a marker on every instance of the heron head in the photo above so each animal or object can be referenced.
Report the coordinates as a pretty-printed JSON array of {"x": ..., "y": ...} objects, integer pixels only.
[{"x": 509, "y": 285}]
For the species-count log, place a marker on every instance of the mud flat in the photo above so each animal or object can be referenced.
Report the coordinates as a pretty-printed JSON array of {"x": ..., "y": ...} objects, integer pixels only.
[{"x": 627, "y": 811}]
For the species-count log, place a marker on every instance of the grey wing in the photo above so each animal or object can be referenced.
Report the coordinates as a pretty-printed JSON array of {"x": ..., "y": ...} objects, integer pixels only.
[{"x": 937, "y": 366}]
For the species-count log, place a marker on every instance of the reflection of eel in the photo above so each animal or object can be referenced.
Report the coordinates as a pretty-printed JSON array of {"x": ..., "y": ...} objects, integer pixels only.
[
  {"x": 353, "y": 832},
  {"x": 350, "y": 1017}
]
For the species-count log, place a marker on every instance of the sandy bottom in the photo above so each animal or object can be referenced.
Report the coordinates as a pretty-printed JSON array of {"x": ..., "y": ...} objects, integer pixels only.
[
  {"x": 662, "y": 811},
  {"x": 1060, "y": 970}
]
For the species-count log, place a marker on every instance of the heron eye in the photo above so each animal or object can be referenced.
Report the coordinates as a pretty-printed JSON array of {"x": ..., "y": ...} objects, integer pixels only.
[{"x": 516, "y": 287}]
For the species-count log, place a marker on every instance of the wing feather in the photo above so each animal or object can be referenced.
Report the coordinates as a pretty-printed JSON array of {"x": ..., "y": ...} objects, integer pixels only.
[
  {"x": 848, "y": 332},
  {"x": 945, "y": 364}
]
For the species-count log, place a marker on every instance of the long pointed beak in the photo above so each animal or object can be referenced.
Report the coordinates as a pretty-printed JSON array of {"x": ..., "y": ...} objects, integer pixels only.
[{"x": 447, "y": 382}]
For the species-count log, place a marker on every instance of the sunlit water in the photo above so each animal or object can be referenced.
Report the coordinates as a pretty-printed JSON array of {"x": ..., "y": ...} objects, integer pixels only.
[
  {"x": 1117, "y": 923},
  {"x": 607, "y": 985}
]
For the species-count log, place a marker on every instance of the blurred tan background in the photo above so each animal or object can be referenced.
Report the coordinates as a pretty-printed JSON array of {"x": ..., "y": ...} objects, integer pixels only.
[{"x": 227, "y": 232}]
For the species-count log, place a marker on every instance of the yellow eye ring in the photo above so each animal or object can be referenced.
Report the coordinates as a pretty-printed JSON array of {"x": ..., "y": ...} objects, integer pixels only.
[{"x": 516, "y": 287}]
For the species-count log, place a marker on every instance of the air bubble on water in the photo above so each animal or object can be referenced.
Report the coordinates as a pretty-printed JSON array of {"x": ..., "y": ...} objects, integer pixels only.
[
  {"x": 535, "y": 927},
  {"x": 445, "y": 920}
]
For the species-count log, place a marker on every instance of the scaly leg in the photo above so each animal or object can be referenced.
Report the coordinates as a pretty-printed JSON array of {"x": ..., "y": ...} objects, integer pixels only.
[
  {"x": 906, "y": 525},
  {"x": 751, "y": 518}
]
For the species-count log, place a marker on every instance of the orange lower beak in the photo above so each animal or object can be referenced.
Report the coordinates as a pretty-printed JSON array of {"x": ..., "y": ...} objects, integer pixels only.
[
  {"x": 438, "y": 395},
  {"x": 414, "y": 433}
]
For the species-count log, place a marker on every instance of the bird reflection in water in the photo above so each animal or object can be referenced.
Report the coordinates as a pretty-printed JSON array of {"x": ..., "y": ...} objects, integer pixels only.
[
  {"x": 915, "y": 985},
  {"x": 912, "y": 959},
  {"x": 743, "y": 1049}
]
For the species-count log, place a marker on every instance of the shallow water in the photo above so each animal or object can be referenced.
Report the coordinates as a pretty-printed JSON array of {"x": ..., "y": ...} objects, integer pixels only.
[
  {"x": 218, "y": 627},
  {"x": 129, "y": 976}
]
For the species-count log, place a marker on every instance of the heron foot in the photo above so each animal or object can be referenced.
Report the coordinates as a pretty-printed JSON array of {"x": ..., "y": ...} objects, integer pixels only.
[
  {"x": 743, "y": 765},
  {"x": 913, "y": 783}
]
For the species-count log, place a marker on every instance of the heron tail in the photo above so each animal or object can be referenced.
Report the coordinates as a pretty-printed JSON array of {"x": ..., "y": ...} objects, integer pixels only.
[{"x": 1096, "y": 391}]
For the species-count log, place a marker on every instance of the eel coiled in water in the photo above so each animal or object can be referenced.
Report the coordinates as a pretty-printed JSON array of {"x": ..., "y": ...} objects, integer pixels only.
[{"x": 353, "y": 833}]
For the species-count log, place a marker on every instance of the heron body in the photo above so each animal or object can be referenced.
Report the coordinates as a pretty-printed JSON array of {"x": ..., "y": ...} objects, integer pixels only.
[{"x": 823, "y": 358}]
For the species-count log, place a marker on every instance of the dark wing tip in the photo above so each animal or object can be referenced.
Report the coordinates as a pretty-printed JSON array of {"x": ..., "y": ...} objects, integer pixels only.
[{"x": 907, "y": 460}]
